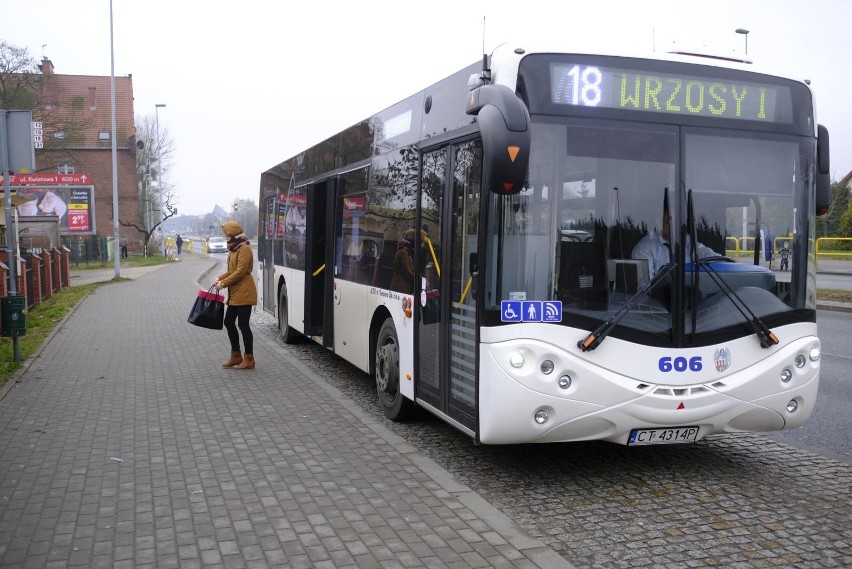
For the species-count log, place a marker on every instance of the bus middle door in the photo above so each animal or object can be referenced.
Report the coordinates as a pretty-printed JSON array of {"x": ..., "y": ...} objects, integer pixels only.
[{"x": 318, "y": 263}]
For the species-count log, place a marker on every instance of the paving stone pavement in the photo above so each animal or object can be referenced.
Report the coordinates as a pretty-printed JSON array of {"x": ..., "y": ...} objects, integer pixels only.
[{"x": 124, "y": 443}]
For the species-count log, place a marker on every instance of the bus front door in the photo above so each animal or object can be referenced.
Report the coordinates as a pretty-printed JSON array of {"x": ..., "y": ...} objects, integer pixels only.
[{"x": 446, "y": 339}]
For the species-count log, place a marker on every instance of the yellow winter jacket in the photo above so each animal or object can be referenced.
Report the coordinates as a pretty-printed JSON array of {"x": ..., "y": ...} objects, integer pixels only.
[{"x": 239, "y": 279}]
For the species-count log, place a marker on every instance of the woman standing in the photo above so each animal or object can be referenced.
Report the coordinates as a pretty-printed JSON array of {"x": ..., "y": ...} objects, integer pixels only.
[{"x": 242, "y": 295}]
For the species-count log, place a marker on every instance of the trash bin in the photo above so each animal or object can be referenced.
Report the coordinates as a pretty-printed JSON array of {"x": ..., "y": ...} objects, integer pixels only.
[{"x": 12, "y": 316}]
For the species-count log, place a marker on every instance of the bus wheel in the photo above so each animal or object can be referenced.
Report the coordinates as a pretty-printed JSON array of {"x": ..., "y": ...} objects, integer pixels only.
[
  {"x": 288, "y": 334},
  {"x": 395, "y": 406}
]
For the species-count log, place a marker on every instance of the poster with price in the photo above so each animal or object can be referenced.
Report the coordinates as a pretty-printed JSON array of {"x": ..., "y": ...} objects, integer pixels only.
[
  {"x": 73, "y": 205},
  {"x": 79, "y": 216}
]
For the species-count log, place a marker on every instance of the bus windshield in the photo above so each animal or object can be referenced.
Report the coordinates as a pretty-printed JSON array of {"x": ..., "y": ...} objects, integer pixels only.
[{"x": 605, "y": 208}]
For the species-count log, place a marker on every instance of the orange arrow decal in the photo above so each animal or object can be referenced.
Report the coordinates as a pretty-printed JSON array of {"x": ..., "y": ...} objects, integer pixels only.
[
  {"x": 513, "y": 152},
  {"x": 681, "y": 406}
]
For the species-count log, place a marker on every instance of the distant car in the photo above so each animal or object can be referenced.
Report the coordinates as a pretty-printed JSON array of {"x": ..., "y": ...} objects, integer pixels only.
[{"x": 217, "y": 245}]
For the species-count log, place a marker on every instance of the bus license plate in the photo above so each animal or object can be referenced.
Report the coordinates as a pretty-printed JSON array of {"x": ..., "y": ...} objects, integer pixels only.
[{"x": 668, "y": 436}]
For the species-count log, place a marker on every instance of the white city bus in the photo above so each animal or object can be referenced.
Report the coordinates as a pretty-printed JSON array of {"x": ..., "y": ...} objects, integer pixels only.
[{"x": 514, "y": 191}]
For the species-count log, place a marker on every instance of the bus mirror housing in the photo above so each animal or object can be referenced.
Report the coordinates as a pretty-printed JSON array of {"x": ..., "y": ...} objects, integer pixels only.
[
  {"x": 504, "y": 123},
  {"x": 823, "y": 181}
]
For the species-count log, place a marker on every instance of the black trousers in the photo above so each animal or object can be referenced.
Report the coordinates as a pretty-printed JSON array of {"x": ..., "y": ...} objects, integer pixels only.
[{"x": 238, "y": 317}]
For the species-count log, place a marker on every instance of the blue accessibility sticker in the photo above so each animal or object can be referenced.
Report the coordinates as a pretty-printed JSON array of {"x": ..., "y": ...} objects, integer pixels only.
[
  {"x": 531, "y": 311},
  {"x": 551, "y": 311},
  {"x": 510, "y": 311}
]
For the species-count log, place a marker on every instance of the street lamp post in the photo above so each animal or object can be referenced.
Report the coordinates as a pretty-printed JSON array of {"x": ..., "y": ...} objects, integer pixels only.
[
  {"x": 159, "y": 164},
  {"x": 745, "y": 33},
  {"x": 116, "y": 233}
]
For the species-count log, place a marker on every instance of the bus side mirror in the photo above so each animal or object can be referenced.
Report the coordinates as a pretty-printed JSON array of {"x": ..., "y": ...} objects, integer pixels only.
[
  {"x": 504, "y": 124},
  {"x": 823, "y": 182}
]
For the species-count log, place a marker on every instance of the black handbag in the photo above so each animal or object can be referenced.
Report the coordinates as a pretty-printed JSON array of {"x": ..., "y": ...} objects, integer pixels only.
[{"x": 208, "y": 310}]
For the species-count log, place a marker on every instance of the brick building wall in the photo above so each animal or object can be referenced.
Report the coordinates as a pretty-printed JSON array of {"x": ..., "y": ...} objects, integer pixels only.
[{"x": 76, "y": 110}]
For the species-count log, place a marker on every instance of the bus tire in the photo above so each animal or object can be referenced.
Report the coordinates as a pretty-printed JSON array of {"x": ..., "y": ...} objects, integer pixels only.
[
  {"x": 394, "y": 405},
  {"x": 289, "y": 335}
]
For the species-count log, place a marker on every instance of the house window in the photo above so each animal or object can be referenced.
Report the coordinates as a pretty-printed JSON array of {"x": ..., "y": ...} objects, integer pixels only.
[
  {"x": 59, "y": 134},
  {"x": 67, "y": 168},
  {"x": 103, "y": 135}
]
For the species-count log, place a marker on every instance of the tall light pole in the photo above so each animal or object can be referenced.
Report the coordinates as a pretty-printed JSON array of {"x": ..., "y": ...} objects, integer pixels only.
[
  {"x": 745, "y": 33},
  {"x": 116, "y": 238},
  {"x": 159, "y": 165}
]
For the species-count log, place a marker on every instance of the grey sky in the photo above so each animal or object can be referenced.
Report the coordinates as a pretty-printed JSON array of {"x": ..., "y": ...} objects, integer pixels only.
[{"x": 250, "y": 83}]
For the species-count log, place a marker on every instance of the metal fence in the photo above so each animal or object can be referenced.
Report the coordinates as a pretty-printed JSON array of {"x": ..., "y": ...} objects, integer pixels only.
[{"x": 85, "y": 249}]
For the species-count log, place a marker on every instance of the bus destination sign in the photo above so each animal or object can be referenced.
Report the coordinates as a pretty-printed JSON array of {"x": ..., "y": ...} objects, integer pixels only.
[{"x": 672, "y": 93}]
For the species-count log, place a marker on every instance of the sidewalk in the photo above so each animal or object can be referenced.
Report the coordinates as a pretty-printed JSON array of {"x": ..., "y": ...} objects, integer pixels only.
[
  {"x": 124, "y": 443},
  {"x": 88, "y": 276}
]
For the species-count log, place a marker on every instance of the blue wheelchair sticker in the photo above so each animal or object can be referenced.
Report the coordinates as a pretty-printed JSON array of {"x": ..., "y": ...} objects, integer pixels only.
[{"x": 510, "y": 310}]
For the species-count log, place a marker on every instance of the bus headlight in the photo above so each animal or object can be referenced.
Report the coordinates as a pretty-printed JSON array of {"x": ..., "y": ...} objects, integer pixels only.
[
  {"x": 792, "y": 406},
  {"x": 547, "y": 367},
  {"x": 814, "y": 355},
  {"x": 800, "y": 361},
  {"x": 516, "y": 360},
  {"x": 541, "y": 416},
  {"x": 786, "y": 375},
  {"x": 565, "y": 381}
]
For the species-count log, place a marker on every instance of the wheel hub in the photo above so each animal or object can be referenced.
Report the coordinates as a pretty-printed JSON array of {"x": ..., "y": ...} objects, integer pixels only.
[{"x": 387, "y": 366}]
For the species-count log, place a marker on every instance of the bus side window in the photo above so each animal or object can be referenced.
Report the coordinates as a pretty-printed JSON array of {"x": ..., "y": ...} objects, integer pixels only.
[
  {"x": 383, "y": 270},
  {"x": 366, "y": 263}
]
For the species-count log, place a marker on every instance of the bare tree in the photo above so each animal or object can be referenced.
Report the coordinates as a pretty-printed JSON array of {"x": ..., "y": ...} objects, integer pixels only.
[{"x": 153, "y": 161}]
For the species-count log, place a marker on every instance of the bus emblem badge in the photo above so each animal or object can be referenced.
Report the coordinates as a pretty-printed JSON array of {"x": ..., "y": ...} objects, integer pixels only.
[{"x": 722, "y": 359}]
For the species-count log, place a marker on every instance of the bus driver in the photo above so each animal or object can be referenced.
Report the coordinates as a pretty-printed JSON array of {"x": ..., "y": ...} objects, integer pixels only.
[{"x": 656, "y": 246}]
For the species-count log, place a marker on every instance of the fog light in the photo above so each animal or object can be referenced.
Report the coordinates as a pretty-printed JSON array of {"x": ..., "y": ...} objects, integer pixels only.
[
  {"x": 565, "y": 381},
  {"x": 814, "y": 355},
  {"x": 516, "y": 359},
  {"x": 786, "y": 375},
  {"x": 547, "y": 367},
  {"x": 800, "y": 361},
  {"x": 541, "y": 416},
  {"x": 792, "y": 406}
]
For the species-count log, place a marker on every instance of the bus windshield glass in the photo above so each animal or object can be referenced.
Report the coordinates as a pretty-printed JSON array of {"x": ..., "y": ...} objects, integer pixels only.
[{"x": 605, "y": 208}]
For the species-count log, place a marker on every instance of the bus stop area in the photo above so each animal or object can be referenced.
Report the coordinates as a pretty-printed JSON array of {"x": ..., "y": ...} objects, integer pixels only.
[{"x": 124, "y": 443}]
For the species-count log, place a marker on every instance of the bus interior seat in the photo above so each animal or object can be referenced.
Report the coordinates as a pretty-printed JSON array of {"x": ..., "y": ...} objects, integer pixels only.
[
  {"x": 366, "y": 263},
  {"x": 581, "y": 275},
  {"x": 383, "y": 270},
  {"x": 627, "y": 275}
]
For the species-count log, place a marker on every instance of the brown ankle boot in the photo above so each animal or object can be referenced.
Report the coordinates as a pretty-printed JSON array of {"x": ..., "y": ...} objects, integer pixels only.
[
  {"x": 247, "y": 363},
  {"x": 236, "y": 358}
]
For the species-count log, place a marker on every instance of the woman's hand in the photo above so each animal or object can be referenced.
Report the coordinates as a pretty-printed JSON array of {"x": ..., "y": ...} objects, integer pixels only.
[{"x": 218, "y": 284}]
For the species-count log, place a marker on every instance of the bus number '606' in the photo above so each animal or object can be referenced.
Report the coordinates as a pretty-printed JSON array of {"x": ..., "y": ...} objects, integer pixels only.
[{"x": 668, "y": 364}]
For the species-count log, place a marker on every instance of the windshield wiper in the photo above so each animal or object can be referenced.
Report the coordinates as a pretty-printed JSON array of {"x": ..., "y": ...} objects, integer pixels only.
[
  {"x": 591, "y": 341},
  {"x": 764, "y": 334},
  {"x": 693, "y": 240}
]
